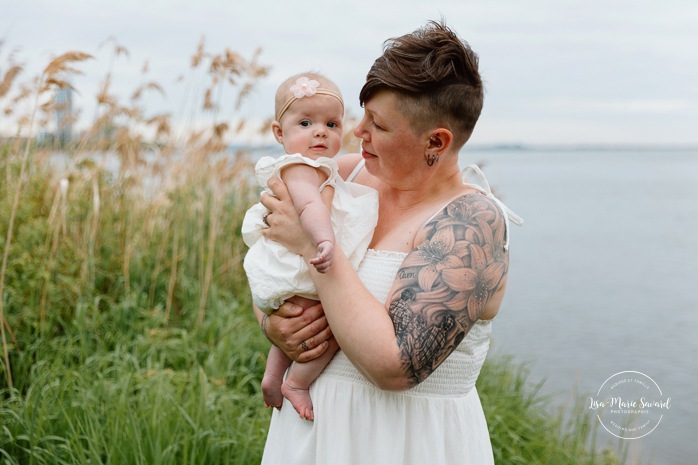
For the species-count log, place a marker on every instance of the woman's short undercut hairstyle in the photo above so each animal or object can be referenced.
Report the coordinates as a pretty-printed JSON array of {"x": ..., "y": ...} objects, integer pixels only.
[{"x": 435, "y": 75}]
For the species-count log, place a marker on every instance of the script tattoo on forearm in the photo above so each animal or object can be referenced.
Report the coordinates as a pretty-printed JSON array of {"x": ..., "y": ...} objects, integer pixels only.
[{"x": 445, "y": 282}]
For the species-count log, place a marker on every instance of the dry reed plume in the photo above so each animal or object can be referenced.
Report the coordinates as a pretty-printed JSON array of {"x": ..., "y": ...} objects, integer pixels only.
[
  {"x": 53, "y": 75},
  {"x": 171, "y": 206}
]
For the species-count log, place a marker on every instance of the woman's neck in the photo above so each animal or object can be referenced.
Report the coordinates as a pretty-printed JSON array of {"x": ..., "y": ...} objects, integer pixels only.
[
  {"x": 403, "y": 211},
  {"x": 422, "y": 191}
]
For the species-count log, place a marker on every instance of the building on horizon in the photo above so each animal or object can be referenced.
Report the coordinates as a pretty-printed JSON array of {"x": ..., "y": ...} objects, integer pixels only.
[{"x": 64, "y": 114}]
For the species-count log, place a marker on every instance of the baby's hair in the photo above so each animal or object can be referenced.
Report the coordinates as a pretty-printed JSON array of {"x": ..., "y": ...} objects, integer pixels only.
[
  {"x": 436, "y": 76},
  {"x": 283, "y": 93}
]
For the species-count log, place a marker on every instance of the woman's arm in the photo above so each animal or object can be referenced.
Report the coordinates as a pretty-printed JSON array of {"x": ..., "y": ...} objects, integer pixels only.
[
  {"x": 440, "y": 291},
  {"x": 447, "y": 282}
]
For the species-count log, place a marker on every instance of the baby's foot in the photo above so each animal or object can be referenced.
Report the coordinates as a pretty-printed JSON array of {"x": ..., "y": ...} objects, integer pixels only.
[
  {"x": 300, "y": 399},
  {"x": 271, "y": 390}
]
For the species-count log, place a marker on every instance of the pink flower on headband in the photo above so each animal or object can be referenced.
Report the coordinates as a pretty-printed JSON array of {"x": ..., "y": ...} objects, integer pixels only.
[{"x": 304, "y": 87}]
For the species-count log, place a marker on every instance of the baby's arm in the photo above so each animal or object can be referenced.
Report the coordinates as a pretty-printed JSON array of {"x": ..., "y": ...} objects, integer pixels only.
[{"x": 303, "y": 183}]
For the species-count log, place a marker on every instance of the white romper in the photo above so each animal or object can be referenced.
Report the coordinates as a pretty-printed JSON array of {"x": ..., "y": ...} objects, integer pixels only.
[{"x": 275, "y": 273}]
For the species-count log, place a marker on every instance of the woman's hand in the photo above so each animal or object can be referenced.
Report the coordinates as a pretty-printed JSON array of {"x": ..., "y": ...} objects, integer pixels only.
[
  {"x": 301, "y": 333},
  {"x": 284, "y": 222}
]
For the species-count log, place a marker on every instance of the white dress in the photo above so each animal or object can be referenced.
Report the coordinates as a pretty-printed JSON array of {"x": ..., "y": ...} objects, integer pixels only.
[
  {"x": 438, "y": 422},
  {"x": 275, "y": 273}
]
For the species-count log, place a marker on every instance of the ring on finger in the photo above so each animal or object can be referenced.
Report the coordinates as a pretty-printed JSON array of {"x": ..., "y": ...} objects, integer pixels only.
[
  {"x": 304, "y": 346},
  {"x": 264, "y": 218}
]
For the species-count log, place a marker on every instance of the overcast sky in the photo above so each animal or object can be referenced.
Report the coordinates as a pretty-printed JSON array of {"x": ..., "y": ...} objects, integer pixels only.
[{"x": 561, "y": 72}]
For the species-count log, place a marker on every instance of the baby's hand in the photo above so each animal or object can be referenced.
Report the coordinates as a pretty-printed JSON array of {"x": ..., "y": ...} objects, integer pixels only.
[{"x": 323, "y": 260}]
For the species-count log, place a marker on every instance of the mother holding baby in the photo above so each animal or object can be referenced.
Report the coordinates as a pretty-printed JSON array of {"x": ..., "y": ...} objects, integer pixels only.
[{"x": 414, "y": 321}]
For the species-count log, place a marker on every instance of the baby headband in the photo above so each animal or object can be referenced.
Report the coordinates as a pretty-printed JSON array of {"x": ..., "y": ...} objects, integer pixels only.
[{"x": 305, "y": 87}]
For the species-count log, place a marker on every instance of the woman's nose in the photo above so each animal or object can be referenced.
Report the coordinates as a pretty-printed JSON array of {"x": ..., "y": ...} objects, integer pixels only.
[{"x": 359, "y": 130}]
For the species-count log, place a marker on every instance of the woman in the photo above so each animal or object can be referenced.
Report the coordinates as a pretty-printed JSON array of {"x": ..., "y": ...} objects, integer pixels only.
[{"x": 414, "y": 322}]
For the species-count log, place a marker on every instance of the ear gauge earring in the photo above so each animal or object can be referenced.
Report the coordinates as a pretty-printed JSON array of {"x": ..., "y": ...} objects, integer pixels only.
[{"x": 431, "y": 158}]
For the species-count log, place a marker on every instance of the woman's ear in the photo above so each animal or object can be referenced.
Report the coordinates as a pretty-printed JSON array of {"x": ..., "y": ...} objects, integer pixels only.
[
  {"x": 278, "y": 133},
  {"x": 440, "y": 140}
]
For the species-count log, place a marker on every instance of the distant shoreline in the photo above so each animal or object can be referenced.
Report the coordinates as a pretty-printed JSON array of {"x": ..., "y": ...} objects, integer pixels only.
[
  {"x": 582, "y": 147},
  {"x": 510, "y": 147},
  {"x": 535, "y": 147}
]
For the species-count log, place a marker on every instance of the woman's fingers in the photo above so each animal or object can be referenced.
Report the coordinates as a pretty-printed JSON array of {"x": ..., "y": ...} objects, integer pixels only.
[
  {"x": 282, "y": 220},
  {"x": 278, "y": 188},
  {"x": 315, "y": 343},
  {"x": 288, "y": 310},
  {"x": 310, "y": 354},
  {"x": 315, "y": 333},
  {"x": 279, "y": 194},
  {"x": 300, "y": 333},
  {"x": 269, "y": 201}
]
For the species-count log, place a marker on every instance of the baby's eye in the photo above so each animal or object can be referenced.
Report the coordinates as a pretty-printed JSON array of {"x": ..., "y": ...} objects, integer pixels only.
[
  {"x": 332, "y": 124},
  {"x": 305, "y": 123}
]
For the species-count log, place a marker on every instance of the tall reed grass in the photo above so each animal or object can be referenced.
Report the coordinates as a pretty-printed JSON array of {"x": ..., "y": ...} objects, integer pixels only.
[{"x": 127, "y": 335}]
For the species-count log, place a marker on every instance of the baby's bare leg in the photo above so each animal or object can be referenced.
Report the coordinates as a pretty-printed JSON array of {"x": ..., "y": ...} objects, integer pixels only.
[
  {"x": 296, "y": 388},
  {"x": 277, "y": 363}
]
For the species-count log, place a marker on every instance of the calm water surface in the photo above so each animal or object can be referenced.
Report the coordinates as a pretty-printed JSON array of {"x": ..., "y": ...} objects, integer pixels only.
[{"x": 604, "y": 276}]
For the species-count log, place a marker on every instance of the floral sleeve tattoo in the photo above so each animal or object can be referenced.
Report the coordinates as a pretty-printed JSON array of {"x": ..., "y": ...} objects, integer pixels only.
[{"x": 444, "y": 283}]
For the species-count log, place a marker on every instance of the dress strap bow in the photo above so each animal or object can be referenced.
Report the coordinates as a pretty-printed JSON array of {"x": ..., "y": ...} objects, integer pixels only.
[{"x": 508, "y": 214}]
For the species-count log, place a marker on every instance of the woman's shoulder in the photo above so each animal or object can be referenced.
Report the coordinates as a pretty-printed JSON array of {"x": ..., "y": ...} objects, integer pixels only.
[
  {"x": 469, "y": 207},
  {"x": 347, "y": 162},
  {"x": 468, "y": 210}
]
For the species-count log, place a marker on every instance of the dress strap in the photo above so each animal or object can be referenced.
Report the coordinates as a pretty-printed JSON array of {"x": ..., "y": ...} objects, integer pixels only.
[
  {"x": 487, "y": 191},
  {"x": 356, "y": 170}
]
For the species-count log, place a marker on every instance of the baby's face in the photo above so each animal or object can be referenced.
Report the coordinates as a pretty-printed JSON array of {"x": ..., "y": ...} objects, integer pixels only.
[{"x": 312, "y": 126}]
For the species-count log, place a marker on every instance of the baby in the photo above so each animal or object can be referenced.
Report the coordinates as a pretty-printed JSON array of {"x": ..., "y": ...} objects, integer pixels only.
[{"x": 309, "y": 113}]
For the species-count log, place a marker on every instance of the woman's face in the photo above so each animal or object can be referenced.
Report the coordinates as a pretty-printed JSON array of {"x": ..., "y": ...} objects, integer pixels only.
[{"x": 390, "y": 147}]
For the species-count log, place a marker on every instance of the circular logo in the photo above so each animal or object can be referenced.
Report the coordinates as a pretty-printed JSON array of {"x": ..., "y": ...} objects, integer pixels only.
[{"x": 629, "y": 405}]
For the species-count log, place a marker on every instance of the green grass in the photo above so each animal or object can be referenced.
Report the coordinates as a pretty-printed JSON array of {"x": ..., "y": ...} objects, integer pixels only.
[
  {"x": 129, "y": 329},
  {"x": 117, "y": 388}
]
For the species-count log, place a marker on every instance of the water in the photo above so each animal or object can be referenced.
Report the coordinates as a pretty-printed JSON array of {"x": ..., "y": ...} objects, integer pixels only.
[{"x": 603, "y": 276}]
